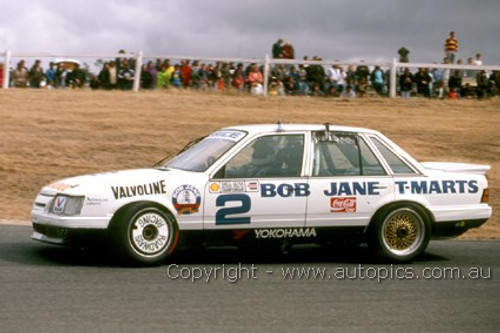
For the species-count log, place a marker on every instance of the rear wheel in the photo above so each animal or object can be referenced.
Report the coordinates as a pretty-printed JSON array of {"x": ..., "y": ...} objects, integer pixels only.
[
  {"x": 401, "y": 233},
  {"x": 146, "y": 235}
]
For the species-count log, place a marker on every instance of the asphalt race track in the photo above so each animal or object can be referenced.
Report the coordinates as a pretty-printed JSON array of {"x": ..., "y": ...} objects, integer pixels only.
[{"x": 454, "y": 287}]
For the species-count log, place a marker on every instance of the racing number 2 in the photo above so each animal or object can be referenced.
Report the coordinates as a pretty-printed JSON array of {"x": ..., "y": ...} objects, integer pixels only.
[{"x": 222, "y": 215}]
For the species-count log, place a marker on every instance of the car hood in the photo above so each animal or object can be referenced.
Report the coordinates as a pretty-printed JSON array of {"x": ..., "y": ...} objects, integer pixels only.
[
  {"x": 479, "y": 169},
  {"x": 94, "y": 183}
]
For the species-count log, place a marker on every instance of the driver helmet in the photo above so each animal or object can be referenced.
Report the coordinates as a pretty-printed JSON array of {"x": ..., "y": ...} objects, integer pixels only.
[{"x": 264, "y": 152}]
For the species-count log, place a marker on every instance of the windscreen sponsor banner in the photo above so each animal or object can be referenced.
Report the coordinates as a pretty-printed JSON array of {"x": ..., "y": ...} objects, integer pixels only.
[{"x": 228, "y": 135}]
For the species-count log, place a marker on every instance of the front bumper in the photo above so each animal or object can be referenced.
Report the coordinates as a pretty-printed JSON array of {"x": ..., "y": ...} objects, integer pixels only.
[
  {"x": 68, "y": 230},
  {"x": 67, "y": 236}
]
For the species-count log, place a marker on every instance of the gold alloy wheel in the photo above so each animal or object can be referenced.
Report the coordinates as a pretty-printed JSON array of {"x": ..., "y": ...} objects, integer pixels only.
[{"x": 403, "y": 231}]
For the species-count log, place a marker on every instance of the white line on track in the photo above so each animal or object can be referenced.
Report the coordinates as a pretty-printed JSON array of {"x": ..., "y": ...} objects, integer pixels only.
[{"x": 14, "y": 222}]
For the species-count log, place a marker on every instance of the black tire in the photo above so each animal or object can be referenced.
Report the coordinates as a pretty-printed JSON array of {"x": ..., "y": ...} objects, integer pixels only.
[
  {"x": 400, "y": 233},
  {"x": 145, "y": 235}
]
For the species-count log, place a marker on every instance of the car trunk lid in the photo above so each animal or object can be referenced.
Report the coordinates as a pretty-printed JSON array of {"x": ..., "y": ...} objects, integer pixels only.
[{"x": 480, "y": 169}]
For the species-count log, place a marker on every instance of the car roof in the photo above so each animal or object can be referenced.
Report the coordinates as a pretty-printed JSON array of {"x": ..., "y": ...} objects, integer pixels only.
[{"x": 266, "y": 128}]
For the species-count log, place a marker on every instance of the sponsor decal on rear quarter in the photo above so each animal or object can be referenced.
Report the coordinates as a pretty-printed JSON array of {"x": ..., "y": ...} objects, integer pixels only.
[{"x": 343, "y": 205}]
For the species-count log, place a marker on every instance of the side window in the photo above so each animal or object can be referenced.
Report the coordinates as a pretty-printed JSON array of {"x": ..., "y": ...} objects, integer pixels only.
[
  {"x": 397, "y": 165},
  {"x": 344, "y": 155},
  {"x": 267, "y": 156},
  {"x": 336, "y": 158},
  {"x": 371, "y": 165}
]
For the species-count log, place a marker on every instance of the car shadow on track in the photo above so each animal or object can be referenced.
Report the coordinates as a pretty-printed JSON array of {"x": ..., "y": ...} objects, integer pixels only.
[{"x": 48, "y": 255}]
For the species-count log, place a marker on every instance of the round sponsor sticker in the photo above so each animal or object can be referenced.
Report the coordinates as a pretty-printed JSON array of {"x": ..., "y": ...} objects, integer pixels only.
[
  {"x": 186, "y": 199},
  {"x": 214, "y": 187}
]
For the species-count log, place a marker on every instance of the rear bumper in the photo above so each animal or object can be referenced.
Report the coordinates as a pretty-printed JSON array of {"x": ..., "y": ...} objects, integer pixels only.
[
  {"x": 448, "y": 213},
  {"x": 455, "y": 228},
  {"x": 452, "y": 221}
]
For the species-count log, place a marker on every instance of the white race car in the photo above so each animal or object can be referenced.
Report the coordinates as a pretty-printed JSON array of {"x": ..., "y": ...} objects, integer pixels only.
[{"x": 269, "y": 184}]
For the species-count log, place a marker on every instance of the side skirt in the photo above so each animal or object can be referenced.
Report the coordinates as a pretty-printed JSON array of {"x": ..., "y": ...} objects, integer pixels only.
[{"x": 312, "y": 235}]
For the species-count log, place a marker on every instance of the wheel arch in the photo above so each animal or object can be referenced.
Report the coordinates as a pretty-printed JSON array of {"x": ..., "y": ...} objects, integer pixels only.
[
  {"x": 120, "y": 212},
  {"x": 391, "y": 205}
]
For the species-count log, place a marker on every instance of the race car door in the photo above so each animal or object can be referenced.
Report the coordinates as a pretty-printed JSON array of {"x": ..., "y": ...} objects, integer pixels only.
[
  {"x": 260, "y": 186},
  {"x": 347, "y": 181}
]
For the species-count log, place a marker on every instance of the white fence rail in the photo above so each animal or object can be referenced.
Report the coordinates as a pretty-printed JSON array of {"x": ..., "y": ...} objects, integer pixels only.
[{"x": 393, "y": 66}]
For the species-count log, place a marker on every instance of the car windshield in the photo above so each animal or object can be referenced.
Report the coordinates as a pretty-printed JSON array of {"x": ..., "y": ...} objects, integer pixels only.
[{"x": 202, "y": 153}]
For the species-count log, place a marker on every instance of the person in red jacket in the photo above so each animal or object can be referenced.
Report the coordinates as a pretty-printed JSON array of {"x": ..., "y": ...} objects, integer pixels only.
[
  {"x": 288, "y": 51},
  {"x": 186, "y": 72},
  {"x": 256, "y": 80}
]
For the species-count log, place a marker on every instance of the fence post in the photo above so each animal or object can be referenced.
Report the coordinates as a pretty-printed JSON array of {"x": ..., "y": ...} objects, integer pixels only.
[
  {"x": 138, "y": 67},
  {"x": 392, "y": 83},
  {"x": 6, "y": 70},
  {"x": 266, "y": 73}
]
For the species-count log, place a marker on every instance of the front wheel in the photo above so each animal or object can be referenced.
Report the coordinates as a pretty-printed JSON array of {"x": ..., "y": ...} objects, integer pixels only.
[
  {"x": 146, "y": 235},
  {"x": 401, "y": 233}
]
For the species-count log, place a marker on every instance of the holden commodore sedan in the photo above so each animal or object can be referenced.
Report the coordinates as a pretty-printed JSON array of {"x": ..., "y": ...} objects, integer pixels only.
[{"x": 277, "y": 185}]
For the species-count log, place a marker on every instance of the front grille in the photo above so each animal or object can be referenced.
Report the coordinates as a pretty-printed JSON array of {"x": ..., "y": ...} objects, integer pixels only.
[{"x": 50, "y": 231}]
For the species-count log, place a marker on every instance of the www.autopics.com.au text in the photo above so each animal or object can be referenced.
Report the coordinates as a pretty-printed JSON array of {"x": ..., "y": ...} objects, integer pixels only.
[{"x": 234, "y": 273}]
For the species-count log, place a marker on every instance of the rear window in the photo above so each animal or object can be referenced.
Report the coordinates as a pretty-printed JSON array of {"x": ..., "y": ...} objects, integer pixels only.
[{"x": 398, "y": 166}]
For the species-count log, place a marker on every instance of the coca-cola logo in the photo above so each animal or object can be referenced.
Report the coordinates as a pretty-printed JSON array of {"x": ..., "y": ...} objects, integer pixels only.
[{"x": 343, "y": 205}]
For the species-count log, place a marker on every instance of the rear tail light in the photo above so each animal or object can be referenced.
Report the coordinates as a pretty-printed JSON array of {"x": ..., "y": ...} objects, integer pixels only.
[{"x": 486, "y": 196}]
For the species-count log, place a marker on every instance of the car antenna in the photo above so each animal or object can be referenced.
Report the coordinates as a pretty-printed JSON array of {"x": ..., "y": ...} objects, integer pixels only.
[
  {"x": 328, "y": 136},
  {"x": 280, "y": 127}
]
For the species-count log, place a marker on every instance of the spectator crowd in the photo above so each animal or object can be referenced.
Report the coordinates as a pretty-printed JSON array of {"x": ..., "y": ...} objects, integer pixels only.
[{"x": 309, "y": 79}]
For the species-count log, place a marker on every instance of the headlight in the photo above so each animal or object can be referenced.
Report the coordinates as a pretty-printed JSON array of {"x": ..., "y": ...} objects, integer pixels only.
[{"x": 65, "y": 205}]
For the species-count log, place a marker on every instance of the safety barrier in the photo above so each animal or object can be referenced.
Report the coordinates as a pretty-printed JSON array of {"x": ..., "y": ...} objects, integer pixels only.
[{"x": 266, "y": 61}]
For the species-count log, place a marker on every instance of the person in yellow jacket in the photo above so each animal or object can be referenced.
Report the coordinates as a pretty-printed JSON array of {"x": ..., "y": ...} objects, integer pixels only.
[
  {"x": 451, "y": 47},
  {"x": 164, "y": 75}
]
